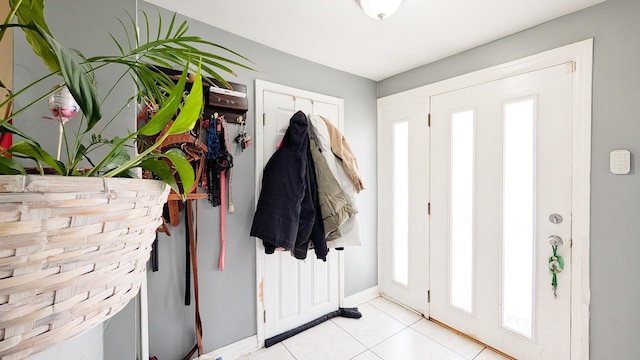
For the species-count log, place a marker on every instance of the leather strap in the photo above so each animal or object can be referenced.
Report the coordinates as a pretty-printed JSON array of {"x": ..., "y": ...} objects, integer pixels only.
[
  {"x": 192, "y": 257},
  {"x": 195, "y": 155},
  {"x": 174, "y": 212},
  {"x": 193, "y": 244},
  {"x": 191, "y": 352}
]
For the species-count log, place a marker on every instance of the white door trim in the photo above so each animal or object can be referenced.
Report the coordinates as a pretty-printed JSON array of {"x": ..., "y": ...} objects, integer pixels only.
[
  {"x": 581, "y": 54},
  {"x": 260, "y": 87}
]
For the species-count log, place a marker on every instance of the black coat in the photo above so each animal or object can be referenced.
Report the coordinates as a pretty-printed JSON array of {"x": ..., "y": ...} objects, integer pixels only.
[{"x": 286, "y": 212}]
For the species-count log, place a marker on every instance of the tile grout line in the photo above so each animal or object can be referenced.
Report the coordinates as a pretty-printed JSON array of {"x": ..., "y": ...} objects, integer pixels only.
[
  {"x": 360, "y": 342},
  {"x": 415, "y": 322},
  {"x": 394, "y": 318}
]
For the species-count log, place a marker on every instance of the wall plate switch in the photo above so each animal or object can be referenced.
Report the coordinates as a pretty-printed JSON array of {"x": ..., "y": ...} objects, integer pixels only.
[{"x": 620, "y": 162}]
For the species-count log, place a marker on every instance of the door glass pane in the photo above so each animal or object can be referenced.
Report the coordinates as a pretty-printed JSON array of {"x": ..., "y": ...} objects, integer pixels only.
[
  {"x": 518, "y": 217},
  {"x": 401, "y": 202},
  {"x": 461, "y": 242}
]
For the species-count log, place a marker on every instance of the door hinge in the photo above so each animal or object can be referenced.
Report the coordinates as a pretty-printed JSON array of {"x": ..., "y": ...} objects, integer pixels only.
[
  {"x": 429, "y": 296},
  {"x": 264, "y": 316},
  {"x": 429, "y": 120},
  {"x": 264, "y": 119},
  {"x": 429, "y": 209},
  {"x": 571, "y": 68}
]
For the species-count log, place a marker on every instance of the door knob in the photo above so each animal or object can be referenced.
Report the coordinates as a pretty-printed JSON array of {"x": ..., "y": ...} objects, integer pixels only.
[{"x": 555, "y": 240}]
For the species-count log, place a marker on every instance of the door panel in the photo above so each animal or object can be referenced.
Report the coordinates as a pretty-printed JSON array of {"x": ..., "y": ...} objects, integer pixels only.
[
  {"x": 403, "y": 222},
  {"x": 295, "y": 291},
  {"x": 501, "y": 165}
]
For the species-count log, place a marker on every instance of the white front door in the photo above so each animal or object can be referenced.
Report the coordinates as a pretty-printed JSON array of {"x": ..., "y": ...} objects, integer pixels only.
[
  {"x": 293, "y": 292},
  {"x": 501, "y": 186},
  {"x": 403, "y": 219}
]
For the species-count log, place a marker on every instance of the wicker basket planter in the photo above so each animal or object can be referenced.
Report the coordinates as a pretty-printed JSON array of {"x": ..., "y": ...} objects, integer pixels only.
[{"x": 73, "y": 252}]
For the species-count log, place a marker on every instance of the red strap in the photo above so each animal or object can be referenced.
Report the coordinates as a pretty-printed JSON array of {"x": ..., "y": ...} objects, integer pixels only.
[
  {"x": 222, "y": 221},
  {"x": 5, "y": 142}
]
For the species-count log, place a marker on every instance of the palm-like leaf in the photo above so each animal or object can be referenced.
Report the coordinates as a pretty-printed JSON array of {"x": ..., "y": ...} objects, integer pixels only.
[{"x": 143, "y": 56}]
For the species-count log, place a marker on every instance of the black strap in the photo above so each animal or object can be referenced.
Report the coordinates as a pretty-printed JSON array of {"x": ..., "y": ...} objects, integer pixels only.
[
  {"x": 213, "y": 182},
  {"x": 187, "y": 279},
  {"x": 217, "y": 163},
  {"x": 154, "y": 254}
]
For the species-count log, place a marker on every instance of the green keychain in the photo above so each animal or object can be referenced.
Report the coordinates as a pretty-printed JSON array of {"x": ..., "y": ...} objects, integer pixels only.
[{"x": 556, "y": 265}]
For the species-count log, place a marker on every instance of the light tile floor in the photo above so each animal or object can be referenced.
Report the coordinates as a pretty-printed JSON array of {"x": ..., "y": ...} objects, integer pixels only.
[{"x": 386, "y": 331}]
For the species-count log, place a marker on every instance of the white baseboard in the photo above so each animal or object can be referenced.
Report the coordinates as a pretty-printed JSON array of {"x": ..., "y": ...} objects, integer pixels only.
[
  {"x": 235, "y": 350},
  {"x": 362, "y": 296}
]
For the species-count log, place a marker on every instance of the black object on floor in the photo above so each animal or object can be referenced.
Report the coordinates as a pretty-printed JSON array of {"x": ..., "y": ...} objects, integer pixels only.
[{"x": 352, "y": 313}]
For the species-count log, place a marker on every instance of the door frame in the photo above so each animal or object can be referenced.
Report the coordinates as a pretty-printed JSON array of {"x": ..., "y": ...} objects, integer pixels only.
[
  {"x": 580, "y": 57},
  {"x": 260, "y": 87}
]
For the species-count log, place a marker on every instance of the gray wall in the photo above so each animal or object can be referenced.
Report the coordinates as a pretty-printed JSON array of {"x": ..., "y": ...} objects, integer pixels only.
[
  {"x": 87, "y": 346},
  {"x": 228, "y": 299},
  {"x": 615, "y": 199},
  {"x": 83, "y": 25}
]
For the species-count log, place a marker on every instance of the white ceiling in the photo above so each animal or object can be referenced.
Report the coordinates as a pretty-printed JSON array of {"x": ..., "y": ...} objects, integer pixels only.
[{"x": 336, "y": 33}]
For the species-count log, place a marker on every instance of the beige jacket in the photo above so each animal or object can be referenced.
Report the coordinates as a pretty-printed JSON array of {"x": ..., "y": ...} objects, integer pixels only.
[
  {"x": 342, "y": 150},
  {"x": 351, "y": 234},
  {"x": 335, "y": 205}
]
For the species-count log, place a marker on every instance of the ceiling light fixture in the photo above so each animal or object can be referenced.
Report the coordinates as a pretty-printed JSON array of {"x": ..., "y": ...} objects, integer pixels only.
[{"x": 379, "y": 9}]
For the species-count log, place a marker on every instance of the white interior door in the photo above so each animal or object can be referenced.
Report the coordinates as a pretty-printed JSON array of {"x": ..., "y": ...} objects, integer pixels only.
[
  {"x": 501, "y": 168},
  {"x": 293, "y": 291},
  {"x": 403, "y": 197}
]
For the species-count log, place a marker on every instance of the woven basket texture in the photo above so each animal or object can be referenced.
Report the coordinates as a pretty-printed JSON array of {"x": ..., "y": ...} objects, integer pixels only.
[{"x": 73, "y": 252}]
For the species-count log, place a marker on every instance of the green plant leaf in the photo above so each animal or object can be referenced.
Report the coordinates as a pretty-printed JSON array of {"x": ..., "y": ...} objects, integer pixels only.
[
  {"x": 173, "y": 20},
  {"x": 120, "y": 156},
  {"x": 77, "y": 80},
  {"x": 36, "y": 153},
  {"x": 31, "y": 12},
  {"x": 10, "y": 129},
  {"x": 168, "y": 109},
  {"x": 192, "y": 109},
  {"x": 9, "y": 166},
  {"x": 162, "y": 170},
  {"x": 183, "y": 168},
  {"x": 176, "y": 152},
  {"x": 117, "y": 44},
  {"x": 181, "y": 30}
]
